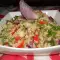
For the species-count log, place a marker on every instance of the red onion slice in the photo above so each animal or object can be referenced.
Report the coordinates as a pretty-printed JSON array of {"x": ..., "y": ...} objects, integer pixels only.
[
  {"x": 27, "y": 11},
  {"x": 51, "y": 19},
  {"x": 59, "y": 42},
  {"x": 28, "y": 46}
]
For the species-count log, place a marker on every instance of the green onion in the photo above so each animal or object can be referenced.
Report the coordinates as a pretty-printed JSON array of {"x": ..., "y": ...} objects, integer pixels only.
[
  {"x": 9, "y": 44},
  {"x": 24, "y": 28},
  {"x": 52, "y": 42},
  {"x": 3, "y": 41},
  {"x": 51, "y": 33},
  {"x": 16, "y": 17},
  {"x": 55, "y": 27},
  {"x": 11, "y": 39}
]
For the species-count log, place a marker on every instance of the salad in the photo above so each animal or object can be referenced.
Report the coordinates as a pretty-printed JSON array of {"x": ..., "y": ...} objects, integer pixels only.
[{"x": 27, "y": 33}]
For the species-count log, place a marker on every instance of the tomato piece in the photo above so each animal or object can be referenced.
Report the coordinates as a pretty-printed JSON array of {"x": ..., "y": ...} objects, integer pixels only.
[
  {"x": 21, "y": 45},
  {"x": 14, "y": 29},
  {"x": 6, "y": 43},
  {"x": 36, "y": 38},
  {"x": 17, "y": 38},
  {"x": 36, "y": 46},
  {"x": 42, "y": 22}
]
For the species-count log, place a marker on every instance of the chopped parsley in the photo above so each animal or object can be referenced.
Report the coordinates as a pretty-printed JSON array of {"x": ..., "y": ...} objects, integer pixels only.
[
  {"x": 51, "y": 33},
  {"x": 52, "y": 42}
]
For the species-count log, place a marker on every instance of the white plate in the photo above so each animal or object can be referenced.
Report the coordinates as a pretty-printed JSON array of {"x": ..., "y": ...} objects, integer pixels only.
[{"x": 36, "y": 51}]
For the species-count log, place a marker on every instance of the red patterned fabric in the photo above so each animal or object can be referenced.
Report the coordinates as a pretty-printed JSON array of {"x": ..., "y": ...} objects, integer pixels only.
[{"x": 31, "y": 57}]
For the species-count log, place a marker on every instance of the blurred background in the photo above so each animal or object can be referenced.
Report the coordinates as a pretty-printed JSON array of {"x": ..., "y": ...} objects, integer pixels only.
[
  {"x": 31, "y": 2},
  {"x": 13, "y": 5}
]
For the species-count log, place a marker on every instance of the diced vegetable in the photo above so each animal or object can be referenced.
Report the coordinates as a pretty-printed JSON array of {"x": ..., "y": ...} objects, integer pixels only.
[
  {"x": 3, "y": 39},
  {"x": 58, "y": 28},
  {"x": 17, "y": 38},
  {"x": 16, "y": 17},
  {"x": 6, "y": 43},
  {"x": 36, "y": 45},
  {"x": 51, "y": 33},
  {"x": 59, "y": 41},
  {"x": 42, "y": 22},
  {"x": 55, "y": 27},
  {"x": 21, "y": 45},
  {"x": 16, "y": 22},
  {"x": 52, "y": 42},
  {"x": 14, "y": 29},
  {"x": 28, "y": 46},
  {"x": 36, "y": 38}
]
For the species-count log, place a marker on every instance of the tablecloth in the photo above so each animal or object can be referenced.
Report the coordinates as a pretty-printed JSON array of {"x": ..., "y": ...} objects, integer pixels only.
[{"x": 29, "y": 57}]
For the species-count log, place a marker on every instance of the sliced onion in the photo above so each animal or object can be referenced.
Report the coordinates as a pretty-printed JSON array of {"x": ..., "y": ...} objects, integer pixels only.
[
  {"x": 28, "y": 46},
  {"x": 59, "y": 42},
  {"x": 27, "y": 11}
]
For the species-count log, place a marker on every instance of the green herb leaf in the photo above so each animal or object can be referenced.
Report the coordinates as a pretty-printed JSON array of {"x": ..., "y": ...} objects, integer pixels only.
[
  {"x": 52, "y": 42},
  {"x": 16, "y": 17},
  {"x": 55, "y": 27},
  {"x": 11, "y": 39},
  {"x": 9, "y": 44},
  {"x": 3, "y": 41},
  {"x": 51, "y": 33}
]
